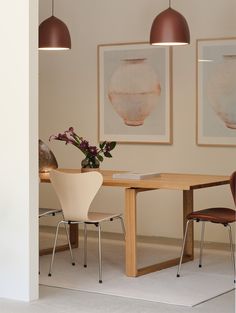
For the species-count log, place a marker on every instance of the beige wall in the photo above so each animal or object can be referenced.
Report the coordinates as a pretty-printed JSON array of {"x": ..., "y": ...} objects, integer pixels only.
[{"x": 68, "y": 97}]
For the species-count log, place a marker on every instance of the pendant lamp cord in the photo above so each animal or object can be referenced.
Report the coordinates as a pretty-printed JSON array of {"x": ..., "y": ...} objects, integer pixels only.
[
  {"x": 169, "y": 3},
  {"x": 52, "y": 7}
]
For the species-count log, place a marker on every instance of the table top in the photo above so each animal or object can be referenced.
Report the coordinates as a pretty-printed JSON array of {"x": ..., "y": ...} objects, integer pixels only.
[{"x": 177, "y": 181}]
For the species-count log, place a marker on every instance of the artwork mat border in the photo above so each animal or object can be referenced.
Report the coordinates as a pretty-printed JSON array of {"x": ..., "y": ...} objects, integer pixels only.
[
  {"x": 200, "y": 140},
  {"x": 170, "y": 105}
]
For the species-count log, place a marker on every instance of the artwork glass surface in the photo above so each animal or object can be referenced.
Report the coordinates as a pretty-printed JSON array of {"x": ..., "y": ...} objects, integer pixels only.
[
  {"x": 134, "y": 93},
  {"x": 216, "y": 92}
]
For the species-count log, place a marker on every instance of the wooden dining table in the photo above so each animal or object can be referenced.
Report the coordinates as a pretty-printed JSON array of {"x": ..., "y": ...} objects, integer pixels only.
[{"x": 186, "y": 183}]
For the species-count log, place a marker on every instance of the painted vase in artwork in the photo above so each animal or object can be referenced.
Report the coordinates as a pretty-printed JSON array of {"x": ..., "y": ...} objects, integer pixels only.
[
  {"x": 134, "y": 91},
  {"x": 221, "y": 90}
]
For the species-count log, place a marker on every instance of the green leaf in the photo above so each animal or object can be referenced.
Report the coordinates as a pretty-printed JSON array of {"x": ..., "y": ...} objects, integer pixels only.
[
  {"x": 112, "y": 145},
  {"x": 100, "y": 158},
  {"x": 107, "y": 154},
  {"x": 102, "y": 145}
]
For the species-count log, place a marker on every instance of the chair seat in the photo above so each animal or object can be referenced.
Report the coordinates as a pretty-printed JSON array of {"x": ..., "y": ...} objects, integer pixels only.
[
  {"x": 95, "y": 217},
  {"x": 47, "y": 211},
  {"x": 214, "y": 215}
]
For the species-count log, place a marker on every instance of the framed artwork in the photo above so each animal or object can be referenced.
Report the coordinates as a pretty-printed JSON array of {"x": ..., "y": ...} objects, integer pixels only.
[
  {"x": 216, "y": 92},
  {"x": 134, "y": 93}
]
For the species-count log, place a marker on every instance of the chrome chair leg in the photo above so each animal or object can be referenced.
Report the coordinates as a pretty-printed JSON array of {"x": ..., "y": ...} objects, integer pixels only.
[
  {"x": 182, "y": 250},
  {"x": 232, "y": 250},
  {"x": 85, "y": 245},
  {"x": 122, "y": 225},
  {"x": 68, "y": 240},
  {"x": 100, "y": 253},
  {"x": 201, "y": 243},
  {"x": 54, "y": 248}
]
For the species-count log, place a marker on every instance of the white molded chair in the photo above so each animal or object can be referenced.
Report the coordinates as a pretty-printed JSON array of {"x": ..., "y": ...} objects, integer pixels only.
[
  {"x": 47, "y": 161},
  {"x": 46, "y": 212},
  {"x": 76, "y": 191}
]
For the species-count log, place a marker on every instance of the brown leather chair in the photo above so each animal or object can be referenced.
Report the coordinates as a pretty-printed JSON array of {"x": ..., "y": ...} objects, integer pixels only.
[{"x": 219, "y": 215}]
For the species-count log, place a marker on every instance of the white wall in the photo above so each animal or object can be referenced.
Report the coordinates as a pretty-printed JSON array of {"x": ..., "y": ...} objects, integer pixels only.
[
  {"x": 68, "y": 97},
  {"x": 18, "y": 135}
]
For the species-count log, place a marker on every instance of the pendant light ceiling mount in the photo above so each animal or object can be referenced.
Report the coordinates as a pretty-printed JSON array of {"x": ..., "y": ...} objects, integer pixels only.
[
  {"x": 54, "y": 34},
  {"x": 169, "y": 28}
]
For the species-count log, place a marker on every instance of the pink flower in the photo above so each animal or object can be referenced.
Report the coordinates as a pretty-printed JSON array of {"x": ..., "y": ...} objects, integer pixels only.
[{"x": 90, "y": 152}]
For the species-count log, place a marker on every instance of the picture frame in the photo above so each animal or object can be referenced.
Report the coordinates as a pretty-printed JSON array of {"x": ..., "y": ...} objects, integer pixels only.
[
  {"x": 216, "y": 92},
  {"x": 134, "y": 93}
]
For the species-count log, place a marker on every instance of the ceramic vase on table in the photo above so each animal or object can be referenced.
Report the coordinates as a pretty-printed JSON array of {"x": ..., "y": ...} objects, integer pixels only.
[
  {"x": 134, "y": 90},
  {"x": 221, "y": 90}
]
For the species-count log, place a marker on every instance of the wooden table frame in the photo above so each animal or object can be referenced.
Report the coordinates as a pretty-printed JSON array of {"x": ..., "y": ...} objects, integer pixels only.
[
  {"x": 131, "y": 234},
  {"x": 183, "y": 182}
]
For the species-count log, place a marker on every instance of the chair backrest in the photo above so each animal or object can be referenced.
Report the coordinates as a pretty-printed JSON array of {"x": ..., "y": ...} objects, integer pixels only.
[
  {"x": 233, "y": 185},
  {"x": 76, "y": 191}
]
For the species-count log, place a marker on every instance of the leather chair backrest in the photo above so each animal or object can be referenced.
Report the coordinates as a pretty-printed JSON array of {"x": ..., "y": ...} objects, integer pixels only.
[{"x": 233, "y": 185}]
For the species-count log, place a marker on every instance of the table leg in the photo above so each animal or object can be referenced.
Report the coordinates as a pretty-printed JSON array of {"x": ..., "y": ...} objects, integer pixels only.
[
  {"x": 74, "y": 235},
  {"x": 74, "y": 239},
  {"x": 188, "y": 208},
  {"x": 131, "y": 230}
]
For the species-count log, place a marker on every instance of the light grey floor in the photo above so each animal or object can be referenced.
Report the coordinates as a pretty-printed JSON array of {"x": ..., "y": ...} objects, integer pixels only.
[{"x": 57, "y": 300}]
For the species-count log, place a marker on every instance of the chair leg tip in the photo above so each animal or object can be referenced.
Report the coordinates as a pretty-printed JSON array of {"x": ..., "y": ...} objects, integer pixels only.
[
  {"x": 200, "y": 265},
  {"x": 235, "y": 281},
  {"x": 100, "y": 281},
  {"x": 49, "y": 274},
  {"x": 73, "y": 263},
  {"x": 177, "y": 275},
  {"x": 85, "y": 265}
]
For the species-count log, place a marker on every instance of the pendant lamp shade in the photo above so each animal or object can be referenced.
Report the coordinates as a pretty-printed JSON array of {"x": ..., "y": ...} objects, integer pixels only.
[
  {"x": 169, "y": 28},
  {"x": 54, "y": 35}
]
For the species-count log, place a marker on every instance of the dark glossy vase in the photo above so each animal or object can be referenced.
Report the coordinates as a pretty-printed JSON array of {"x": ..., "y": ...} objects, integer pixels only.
[
  {"x": 47, "y": 159},
  {"x": 90, "y": 164}
]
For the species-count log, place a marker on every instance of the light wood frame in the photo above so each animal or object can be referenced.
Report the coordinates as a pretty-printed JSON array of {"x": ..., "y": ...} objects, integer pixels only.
[
  {"x": 211, "y": 129},
  {"x": 157, "y": 127}
]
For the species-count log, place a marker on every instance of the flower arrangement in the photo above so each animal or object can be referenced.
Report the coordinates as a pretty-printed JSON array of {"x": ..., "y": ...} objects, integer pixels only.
[{"x": 93, "y": 155}]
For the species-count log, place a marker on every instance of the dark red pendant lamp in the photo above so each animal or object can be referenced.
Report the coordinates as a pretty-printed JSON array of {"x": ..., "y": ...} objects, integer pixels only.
[
  {"x": 54, "y": 34},
  {"x": 169, "y": 28}
]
